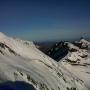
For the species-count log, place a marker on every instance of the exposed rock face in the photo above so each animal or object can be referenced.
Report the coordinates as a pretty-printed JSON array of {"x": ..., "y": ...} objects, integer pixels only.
[{"x": 58, "y": 50}]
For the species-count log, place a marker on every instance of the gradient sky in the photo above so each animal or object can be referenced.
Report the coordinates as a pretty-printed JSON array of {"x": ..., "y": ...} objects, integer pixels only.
[{"x": 42, "y": 20}]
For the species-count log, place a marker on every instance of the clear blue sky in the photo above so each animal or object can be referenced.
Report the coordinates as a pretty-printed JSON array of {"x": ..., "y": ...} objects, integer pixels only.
[{"x": 42, "y": 20}]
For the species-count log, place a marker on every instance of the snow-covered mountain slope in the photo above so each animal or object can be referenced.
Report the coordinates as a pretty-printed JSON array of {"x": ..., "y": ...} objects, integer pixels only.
[
  {"x": 83, "y": 44},
  {"x": 22, "y": 61},
  {"x": 78, "y": 62},
  {"x": 83, "y": 41}
]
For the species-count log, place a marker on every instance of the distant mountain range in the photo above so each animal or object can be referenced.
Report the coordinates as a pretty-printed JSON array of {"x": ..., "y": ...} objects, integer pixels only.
[{"x": 58, "y": 50}]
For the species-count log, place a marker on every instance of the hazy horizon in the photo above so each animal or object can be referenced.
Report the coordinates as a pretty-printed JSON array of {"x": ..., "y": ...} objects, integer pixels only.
[{"x": 46, "y": 20}]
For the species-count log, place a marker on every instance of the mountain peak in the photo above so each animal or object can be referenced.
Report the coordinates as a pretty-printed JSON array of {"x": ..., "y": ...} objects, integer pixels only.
[
  {"x": 2, "y": 35},
  {"x": 83, "y": 41}
]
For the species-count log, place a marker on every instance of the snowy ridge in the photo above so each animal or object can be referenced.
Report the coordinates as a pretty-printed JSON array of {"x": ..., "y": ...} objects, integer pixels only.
[
  {"x": 85, "y": 43},
  {"x": 78, "y": 62},
  {"x": 72, "y": 47},
  {"x": 21, "y": 61}
]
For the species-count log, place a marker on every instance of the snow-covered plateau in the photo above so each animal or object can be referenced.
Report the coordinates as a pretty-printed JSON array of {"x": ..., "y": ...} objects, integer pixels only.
[{"x": 21, "y": 61}]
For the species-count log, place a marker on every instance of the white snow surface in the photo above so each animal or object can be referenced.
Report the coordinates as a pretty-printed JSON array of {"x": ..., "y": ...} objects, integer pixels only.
[
  {"x": 20, "y": 60},
  {"x": 78, "y": 63},
  {"x": 71, "y": 46}
]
